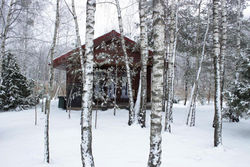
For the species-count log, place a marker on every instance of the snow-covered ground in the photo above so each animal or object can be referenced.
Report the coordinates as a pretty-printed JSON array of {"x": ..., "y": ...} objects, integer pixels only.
[{"x": 115, "y": 144}]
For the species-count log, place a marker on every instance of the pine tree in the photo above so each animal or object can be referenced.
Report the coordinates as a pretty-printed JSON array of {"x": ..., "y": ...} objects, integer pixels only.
[{"x": 15, "y": 90}]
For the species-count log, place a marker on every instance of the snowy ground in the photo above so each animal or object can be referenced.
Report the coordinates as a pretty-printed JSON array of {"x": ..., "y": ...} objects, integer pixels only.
[{"x": 115, "y": 144}]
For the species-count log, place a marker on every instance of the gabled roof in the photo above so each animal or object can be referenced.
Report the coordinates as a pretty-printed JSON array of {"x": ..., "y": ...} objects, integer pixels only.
[{"x": 60, "y": 62}]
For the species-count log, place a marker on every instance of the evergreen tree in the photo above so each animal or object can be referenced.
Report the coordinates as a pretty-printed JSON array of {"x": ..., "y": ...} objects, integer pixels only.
[
  {"x": 15, "y": 90},
  {"x": 238, "y": 95}
]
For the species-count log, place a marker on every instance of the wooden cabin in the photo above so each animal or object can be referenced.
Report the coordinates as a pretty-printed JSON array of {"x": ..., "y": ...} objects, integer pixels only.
[{"x": 109, "y": 72}]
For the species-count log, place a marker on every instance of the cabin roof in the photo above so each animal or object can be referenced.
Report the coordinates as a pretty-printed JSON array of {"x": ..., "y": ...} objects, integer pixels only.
[{"x": 61, "y": 61}]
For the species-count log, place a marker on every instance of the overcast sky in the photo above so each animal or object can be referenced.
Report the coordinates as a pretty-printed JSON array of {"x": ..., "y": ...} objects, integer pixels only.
[{"x": 106, "y": 19}]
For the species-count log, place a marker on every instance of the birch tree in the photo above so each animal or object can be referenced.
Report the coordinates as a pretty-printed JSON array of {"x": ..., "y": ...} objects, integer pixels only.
[
  {"x": 171, "y": 62},
  {"x": 6, "y": 28},
  {"x": 192, "y": 104},
  {"x": 186, "y": 79},
  {"x": 87, "y": 97},
  {"x": 130, "y": 93},
  {"x": 194, "y": 94},
  {"x": 238, "y": 42},
  {"x": 157, "y": 83},
  {"x": 50, "y": 91},
  {"x": 223, "y": 46},
  {"x": 216, "y": 52},
  {"x": 144, "y": 62},
  {"x": 79, "y": 49}
]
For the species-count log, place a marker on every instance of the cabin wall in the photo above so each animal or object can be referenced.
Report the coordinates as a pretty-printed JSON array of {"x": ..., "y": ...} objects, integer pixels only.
[{"x": 74, "y": 84}]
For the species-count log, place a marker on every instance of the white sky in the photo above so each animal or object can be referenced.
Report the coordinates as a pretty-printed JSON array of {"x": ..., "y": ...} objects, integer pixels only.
[{"x": 106, "y": 19}]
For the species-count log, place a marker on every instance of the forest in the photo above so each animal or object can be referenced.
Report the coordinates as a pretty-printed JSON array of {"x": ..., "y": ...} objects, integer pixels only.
[{"x": 125, "y": 83}]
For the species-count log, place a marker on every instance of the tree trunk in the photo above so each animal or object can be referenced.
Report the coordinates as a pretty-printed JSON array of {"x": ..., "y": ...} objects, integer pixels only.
[
  {"x": 87, "y": 97},
  {"x": 4, "y": 35},
  {"x": 50, "y": 91},
  {"x": 157, "y": 84},
  {"x": 186, "y": 79},
  {"x": 171, "y": 61},
  {"x": 144, "y": 62},
  {"x": 138, "y": 100},
  {"x": 78, "y": 40},
  {"x": 35, "y": 115},
  {"x": 223, "y": 46},
  {"x": 79, "y": 47},
  {"x": 238, "y": 42},
  {"x": 115, "y": 91},
  {"x": 130, "y": 93},
  {"x": 194, "y": 92},
  {"x": 216, "y": 45},
  {"x": 42, "y": 104},
  {"x": 176, "y": 10}
]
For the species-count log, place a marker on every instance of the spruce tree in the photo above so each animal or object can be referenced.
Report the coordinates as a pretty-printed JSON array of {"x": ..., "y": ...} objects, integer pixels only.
[
  {"x": 238, "y": 94},
  {"x": 15, "y": 90}
]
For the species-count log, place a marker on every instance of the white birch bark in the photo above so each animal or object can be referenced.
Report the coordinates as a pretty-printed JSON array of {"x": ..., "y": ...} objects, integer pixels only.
[
  {"x": 157, "y": 84},
  {"x": 138, "y": 100},
  {"x": 115, "y": 88},
  {"x": 186, "y": 79},
  {"x": 216, "y": 50},
  {"x": 130, "y": 92},
  {"x": 191, "y": 106},
  {"x": 6, "y": 29},
  {"x": 171, "y": 61},
  {"x": 238, "y": 42},
  {"x": 223, "y": 45},
  {"x": 176, "y": 6},
  {"x": 144, "y": 62},
  {"x": 50, "y": 91},
  {"x": 79, "y": 46},
  {"x": 87, "y": 97},
  {"x": 78, "y": 39}
]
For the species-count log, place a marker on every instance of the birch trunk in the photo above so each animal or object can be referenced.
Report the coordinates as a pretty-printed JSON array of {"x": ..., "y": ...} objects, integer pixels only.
[
  {"x": 79, "y": 46},
  {"x": 192, "y": 104},
  {"x": 35, "y": 115},
  {"x": 78, "y": 39},
  {"x": 223, "y": 46},
  {"x": 176, "y": 6},
  {"x": 115, "y": 91},
  {"x": 144, "y": 62},
  {"x": 130, "y": 93},
  {"x": 238, "y": 42},
  {"x": 138, "y": 100},
  {"x": 170, "y": 71},
  {"x": 195, "y": 93},
  {"x": 5, "y": 33},
  {"x": 157, "y": 84},
  {"x": 50, "y": 91},
  {"x": 87, "y": 97},
  {"x": 186, "y": 78},
  {"x": 216, "y": 49}
]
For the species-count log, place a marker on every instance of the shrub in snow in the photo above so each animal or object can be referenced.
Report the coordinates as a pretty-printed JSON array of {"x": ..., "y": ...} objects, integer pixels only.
[{"x": 16, "y": 89}]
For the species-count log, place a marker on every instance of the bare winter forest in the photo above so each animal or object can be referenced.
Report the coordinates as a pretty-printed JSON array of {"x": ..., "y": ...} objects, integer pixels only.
[{"x": 124, "y": 83}]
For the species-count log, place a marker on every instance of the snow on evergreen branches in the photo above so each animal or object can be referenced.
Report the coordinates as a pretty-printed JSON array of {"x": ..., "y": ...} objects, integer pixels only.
[{"x": 16, "y": 90}]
